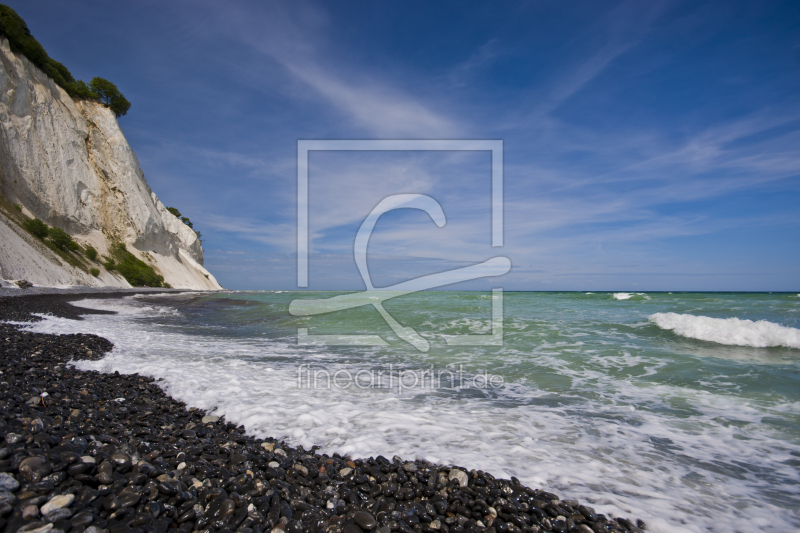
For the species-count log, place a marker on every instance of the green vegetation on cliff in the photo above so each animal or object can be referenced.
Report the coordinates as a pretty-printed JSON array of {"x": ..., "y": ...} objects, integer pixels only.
[
  {"x": 185, "y": 220},
  {"x": 36, "y": 227},
  {"x": 60, "y": 242},
  {"x": 137, "y": 272},
  {"x": 22, "y": 42}
]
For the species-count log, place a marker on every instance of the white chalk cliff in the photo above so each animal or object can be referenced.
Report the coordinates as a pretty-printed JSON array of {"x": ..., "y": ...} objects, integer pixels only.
[{"x": 68, "y": 163}]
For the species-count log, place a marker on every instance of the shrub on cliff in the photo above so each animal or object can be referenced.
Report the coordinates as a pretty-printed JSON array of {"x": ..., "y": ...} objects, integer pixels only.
[
  {"x": 183, "y": 219},
  {"x": 61, "y": 239},
  {"x": 137, "y": 272},
  {"x": 36, "y": 227},
  {"x": 91, "y": 253}
]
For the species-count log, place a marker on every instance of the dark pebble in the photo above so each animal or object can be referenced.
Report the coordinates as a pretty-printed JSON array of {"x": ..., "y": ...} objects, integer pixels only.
[
  {"x": 365, "y": 520},
  {"x": 82, "y": 519},
  {"x": 168, "y": 487}
]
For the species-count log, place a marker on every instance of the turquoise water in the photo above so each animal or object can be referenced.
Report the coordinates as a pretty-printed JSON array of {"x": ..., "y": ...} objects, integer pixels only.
[{"x": 634, "y": 402}]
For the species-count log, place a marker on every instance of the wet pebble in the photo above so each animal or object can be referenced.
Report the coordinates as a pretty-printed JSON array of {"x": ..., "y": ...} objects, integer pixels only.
[
  {"x": 58, "y": 502},
  {"x": 7, "y": 481},
  {"x": 29, "y": 512},
  {"x": 365, "y": 520},
  {"x": 460, "y": 476}
]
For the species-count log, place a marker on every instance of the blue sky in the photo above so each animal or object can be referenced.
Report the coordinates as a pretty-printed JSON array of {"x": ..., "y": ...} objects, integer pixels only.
[{"x": 647, "y": 145}]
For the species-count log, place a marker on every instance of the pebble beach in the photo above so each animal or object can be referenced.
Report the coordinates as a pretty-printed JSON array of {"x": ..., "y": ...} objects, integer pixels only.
[{"x": 100, "y": 452}]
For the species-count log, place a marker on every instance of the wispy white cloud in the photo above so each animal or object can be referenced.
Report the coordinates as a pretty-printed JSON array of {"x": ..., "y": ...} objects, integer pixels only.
[
  {"x": 377, "y": 107},
  {"x": 620, "y": 30},
  {"x": 280, "y": 236},
  {"x": 462, "y": 73},
  {"x": 297, "y": 39}
]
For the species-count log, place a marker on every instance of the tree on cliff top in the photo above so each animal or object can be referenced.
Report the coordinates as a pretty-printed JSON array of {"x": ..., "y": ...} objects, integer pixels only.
[
  {"x": 22, "y": 42},
  {"x": 110, "y": 95}
]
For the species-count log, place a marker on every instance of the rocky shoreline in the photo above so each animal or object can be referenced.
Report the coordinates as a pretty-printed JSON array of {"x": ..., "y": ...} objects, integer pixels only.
[{"x": 85, "y": 452}]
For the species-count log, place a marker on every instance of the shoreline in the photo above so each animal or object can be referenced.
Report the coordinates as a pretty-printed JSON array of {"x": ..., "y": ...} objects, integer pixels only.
[{"x": 109, "y": 452}]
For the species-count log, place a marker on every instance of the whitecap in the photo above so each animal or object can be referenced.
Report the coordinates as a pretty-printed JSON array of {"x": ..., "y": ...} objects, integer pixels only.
[
  {"x": 629, "y": 295},
  {"x": 730, "y": 331}
]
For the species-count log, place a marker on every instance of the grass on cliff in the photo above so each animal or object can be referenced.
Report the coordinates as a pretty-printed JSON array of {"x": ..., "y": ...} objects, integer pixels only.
[
  {"x": 22, "y": 42},
  {"x": 135, "y": 271},
  {"x": 60, "y": 242}
]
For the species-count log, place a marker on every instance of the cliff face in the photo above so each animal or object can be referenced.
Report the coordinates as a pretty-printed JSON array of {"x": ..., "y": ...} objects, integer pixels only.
[{"x": 69, "y": 164}]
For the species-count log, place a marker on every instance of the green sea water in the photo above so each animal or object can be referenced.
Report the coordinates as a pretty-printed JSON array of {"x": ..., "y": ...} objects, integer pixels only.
[{"x": 679, "y": 408}]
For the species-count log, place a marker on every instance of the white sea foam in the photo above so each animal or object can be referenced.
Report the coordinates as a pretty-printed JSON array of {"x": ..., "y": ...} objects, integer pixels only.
[
  {"x": 123, "y": 308},
  {"x": 597, "y": 451},
  {"x": 629, "y": 295},
  {"x": 731, "y": 331}
]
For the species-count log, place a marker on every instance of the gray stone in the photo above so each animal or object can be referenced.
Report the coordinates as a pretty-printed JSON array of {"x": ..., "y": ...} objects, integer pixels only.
[
  {"x": 410, "y": 467},
  {"x": 13, "y": 438},
  {"x": 58, "y": 514},
  {"x": 460, "y": 475},
  {"x": 57, "y": 503},
  {"x": 35, "y": 527},
  {"x": 8, "y": 482},
  {"x": 7, "y": 498}
]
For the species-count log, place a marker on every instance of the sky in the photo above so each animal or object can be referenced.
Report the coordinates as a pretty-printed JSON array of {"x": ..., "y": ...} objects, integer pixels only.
[{"x": 646, "y": 145}]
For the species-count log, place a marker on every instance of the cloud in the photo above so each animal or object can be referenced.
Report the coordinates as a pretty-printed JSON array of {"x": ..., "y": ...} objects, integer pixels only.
[
  {"x": 377, "y": 107},
  {"x": 296, "y": 38},
  {"x": 281, "y": 236},
  {"x": 620, "y": 30},
  {"x": 462, "y": 74}
]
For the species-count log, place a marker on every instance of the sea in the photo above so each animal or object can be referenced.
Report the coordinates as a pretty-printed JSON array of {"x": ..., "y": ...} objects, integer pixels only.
[{"x": 682, "y": 409}]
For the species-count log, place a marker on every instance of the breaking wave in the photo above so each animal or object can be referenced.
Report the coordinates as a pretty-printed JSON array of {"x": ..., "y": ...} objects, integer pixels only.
[
  {"x": 730, "y": 331},
  {"x": 630, "y": 295}
]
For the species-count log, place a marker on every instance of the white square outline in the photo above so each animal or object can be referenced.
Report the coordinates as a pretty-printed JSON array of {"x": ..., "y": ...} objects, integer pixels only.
[{"x": 305, "y": 146}]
